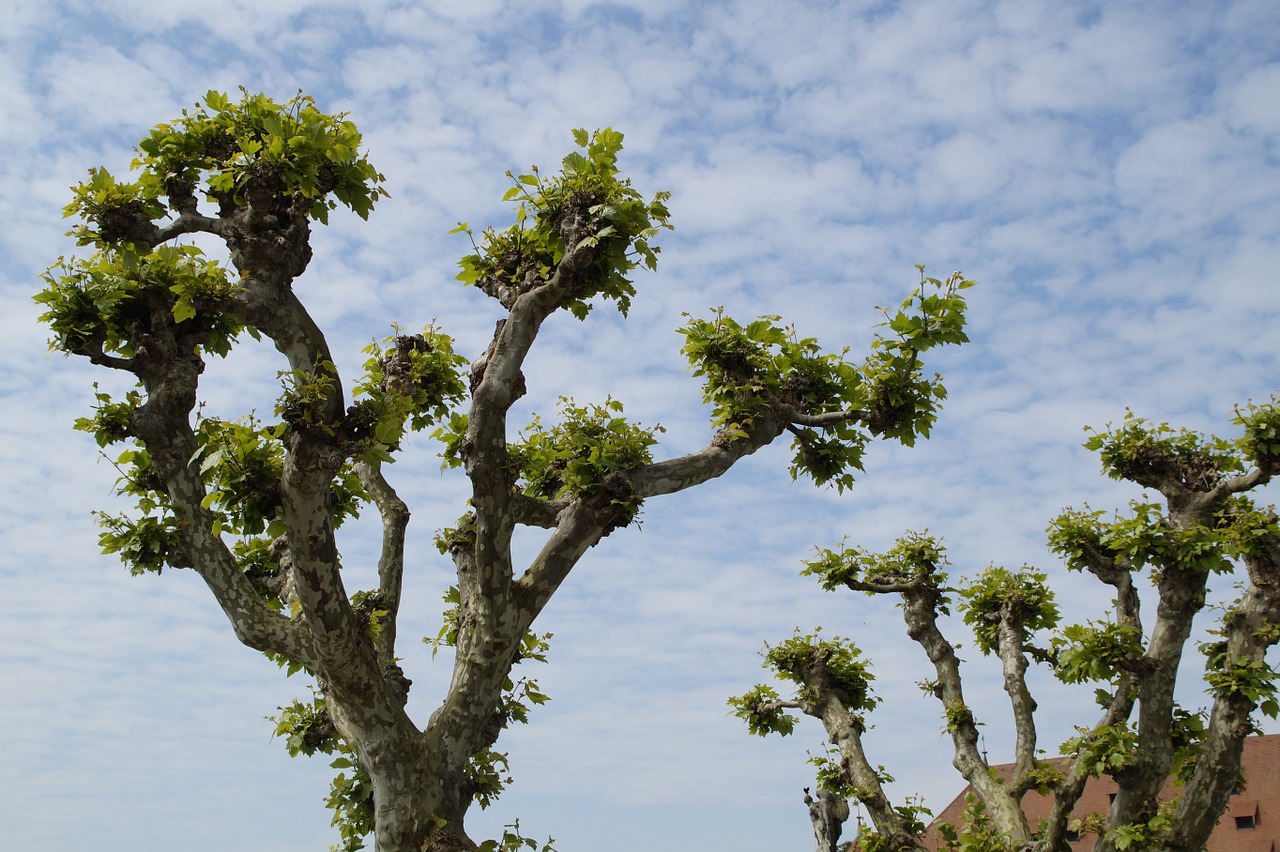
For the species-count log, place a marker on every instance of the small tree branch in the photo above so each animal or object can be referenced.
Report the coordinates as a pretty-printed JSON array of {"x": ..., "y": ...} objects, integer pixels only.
[{"x": 395, "y": 521}]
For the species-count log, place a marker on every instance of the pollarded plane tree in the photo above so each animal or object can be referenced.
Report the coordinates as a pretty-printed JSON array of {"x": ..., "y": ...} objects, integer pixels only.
[
  {"x": 1204, "y": 526},
  {"x": 254, "y": 506}
]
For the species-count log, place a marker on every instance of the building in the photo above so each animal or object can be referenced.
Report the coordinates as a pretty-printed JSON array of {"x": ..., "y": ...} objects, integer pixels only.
[{"x": 1251, "y": 822}]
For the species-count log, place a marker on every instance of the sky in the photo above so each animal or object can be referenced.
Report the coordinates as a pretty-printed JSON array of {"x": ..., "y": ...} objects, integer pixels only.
[{"x": 1109, "y": 173}]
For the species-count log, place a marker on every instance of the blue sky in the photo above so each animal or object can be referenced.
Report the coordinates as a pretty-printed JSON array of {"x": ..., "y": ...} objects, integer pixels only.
[{"x": 1109, "y": 172}]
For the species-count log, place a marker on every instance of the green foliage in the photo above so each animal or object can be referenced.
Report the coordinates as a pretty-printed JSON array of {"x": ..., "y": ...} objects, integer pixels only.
[
  {"x": 306, "y": 728},
  {"x": 1106, "y": 750},
  {"x": 1146, "y": 538},
  {"x": 371, "y": 611},
  {"x": 123, "y": 212},
  {"x": 1261, "y": 439},
  {"x": 145, "y": 544},
  {"x": 584, "y": 211},
  {"x": 836, "y": 662},
  {"x": 351, "y": 800},
  {"x": 1187, "y": 733},
  {"x": 1096, "y": 652},
  {"x": 1154, "y": 455},
  {"x": 586, "y": 454},
  {"x": 1143, "y": 836},
  {"x": 409, "y": 383},
  {"x": 150, "y": 541},
  {"x": 100, "y": 305},
  {"x": 305, "y": 398},
  {"x": 489, "y": 773},
  {"x": 958, "y": 715},
  {"x": 916, "y": 558},
  {"x": 912, "y": 817},
  {"x": 448, "y": 634},
  {"x": 259, "y": 151},
  {"x": 762, "y": 711},
  {"x": 976, "y": 832},
  {"x": 1247, "y": 530},
  {"x": 762, "y": 367},
  {"x": 241, "y": 463},
  {"x": 1022, "y": 598},
  {"x": 1253, "y": 681}
]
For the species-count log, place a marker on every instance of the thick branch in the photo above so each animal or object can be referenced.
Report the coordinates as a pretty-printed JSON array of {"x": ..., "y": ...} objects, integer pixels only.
[
  {"x": 575, "y": 534},
  {"x": 1250, "y": 633},
  {"x": 1013, "y": 658},
  {"x": 672, "y": 475}
]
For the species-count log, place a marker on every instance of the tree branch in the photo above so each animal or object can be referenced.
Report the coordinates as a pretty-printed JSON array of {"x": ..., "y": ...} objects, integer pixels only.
[
  {"x": 1011, "y": 650},
  {"x": 1251, "y": 630},
  {"x": 673, "y": 475},
  {"x": 395, "y": 520},
  {"x": 574, "y": 535}
]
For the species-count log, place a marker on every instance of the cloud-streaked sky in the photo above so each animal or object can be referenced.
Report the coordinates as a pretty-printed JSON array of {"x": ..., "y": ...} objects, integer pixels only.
[{"x": 1109, "y": 172}]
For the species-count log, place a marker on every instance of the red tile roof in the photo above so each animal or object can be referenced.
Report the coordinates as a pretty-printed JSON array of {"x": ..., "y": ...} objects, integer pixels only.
[{"x": 1259, "y": 799}]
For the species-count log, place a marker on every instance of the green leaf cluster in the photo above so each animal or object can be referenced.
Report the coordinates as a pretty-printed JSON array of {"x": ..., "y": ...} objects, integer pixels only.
[
  {"x": 1105, "y": 750},
  {"x": 915, "y": 558},
  {"x": 112, "y": 421},
  {"x": 760, "y": 709},
  {"x": 585, "y": 210},
  {"x": 1253, "y": 681},
  {"x": 489, "y": 772},
  {"x": 144, "y": 544},
  {"x": 513, "y": 841},
  {"x": 586, "y": 454},
  {"x": 148, "y": 542},
  {"x": 762, "y": 367},
  {"x": 1097, "y": 652},
  {"x": 1143, "y": 836},
  {"x": 101, "y": 305},
  {"x": 1145, "y": 538},
  {"x": 757, "y": 368},
  {"x": 261, "y": 151},
  {"x": 1023, "y": 598},
  {"x": 837, "y": 662},
  {"x": 122, "y": 214},
  {"x": 976, "y": 832},
  {"x": 1261, "y": 439},
  {"x": 912, "y": 817},
  {"x": 252, "y": 151},
  {"x": 1154, "y": 454},
  {"x": 410, "y": 382},
  {"x": 241, "y": 463}
]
